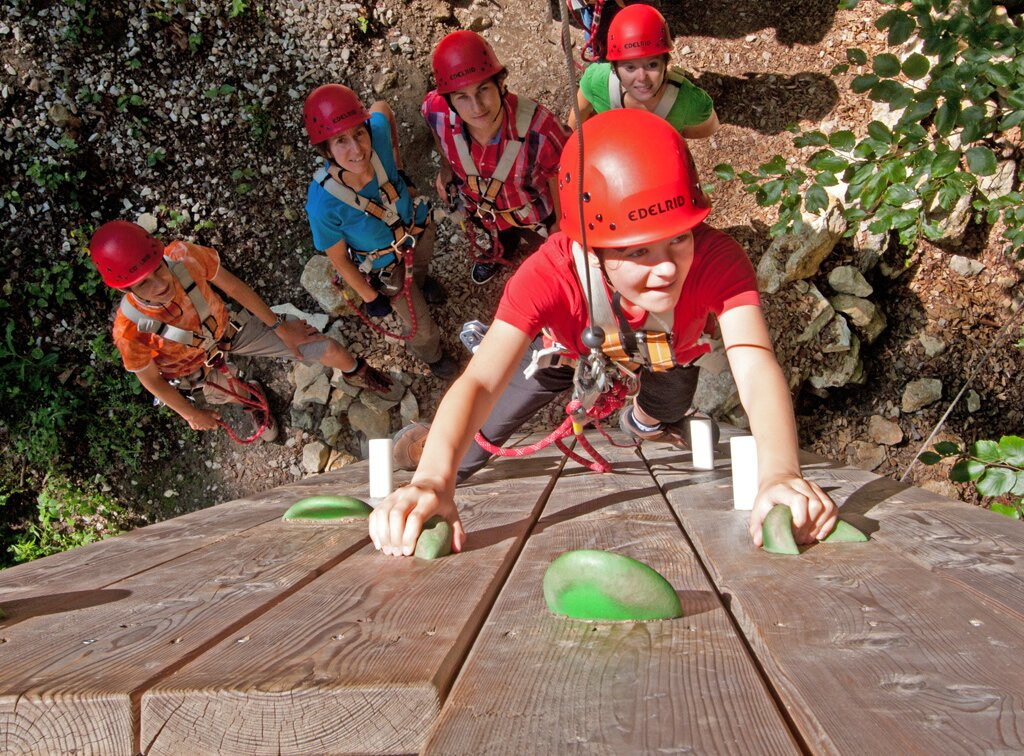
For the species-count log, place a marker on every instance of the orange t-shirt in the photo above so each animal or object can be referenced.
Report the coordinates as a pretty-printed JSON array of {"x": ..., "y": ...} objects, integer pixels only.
[{"x": 174, "y": 360}]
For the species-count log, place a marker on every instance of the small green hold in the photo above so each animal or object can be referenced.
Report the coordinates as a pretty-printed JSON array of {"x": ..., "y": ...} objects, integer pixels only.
[
  {"x": 844, "y": 532},
  {"x": 325, "y": 508},
  {"x": 435, "y": 539},
  {"x": 777, "y": 531},
  {"x": 599, "y": 585}
]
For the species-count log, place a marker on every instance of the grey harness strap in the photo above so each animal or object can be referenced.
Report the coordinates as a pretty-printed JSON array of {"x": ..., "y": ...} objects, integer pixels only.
[
  {"x": 668, "y": 99},
  {"x": 204, "y": 339}
]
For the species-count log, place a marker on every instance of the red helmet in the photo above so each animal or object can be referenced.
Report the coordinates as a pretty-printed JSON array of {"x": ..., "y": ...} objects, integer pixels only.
[
  {"x": 124, "y": 253},
  {"x": 640, "y": 183},
  {"x": 332, "y": 109},
  {"x": 463, "y": 58},
  {"x": 638, "y": 31}
]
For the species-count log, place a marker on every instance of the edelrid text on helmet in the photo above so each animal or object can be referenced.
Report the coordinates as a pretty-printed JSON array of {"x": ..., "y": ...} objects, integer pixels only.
[
  {"x": 331, "y": 109},
  {"x": 461, "y": 59},
  {"x": 124, "y": 253},
  {"x": 638, "y": 31},
  {"x": 639, "y": 181}
]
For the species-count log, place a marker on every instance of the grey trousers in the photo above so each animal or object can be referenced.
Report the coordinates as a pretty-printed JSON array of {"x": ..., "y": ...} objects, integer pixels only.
[{"x": 426, "y": 344}]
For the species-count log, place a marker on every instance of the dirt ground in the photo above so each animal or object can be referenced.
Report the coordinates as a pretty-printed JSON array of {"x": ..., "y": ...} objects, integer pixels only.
[{"x": 767, "y": 66}]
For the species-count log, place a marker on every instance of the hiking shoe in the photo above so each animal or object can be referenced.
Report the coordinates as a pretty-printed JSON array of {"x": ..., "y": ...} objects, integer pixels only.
[
  {"x": 674, "y": 434},
  {"x": 367, "y": 377},
  {"x": 433, "y": 291},
  {"x": 269, "y": 434},
  {"x": 484, "y": 272},
  {"x": 444, "y": 367},
  {"x": 407, "y": 445}
]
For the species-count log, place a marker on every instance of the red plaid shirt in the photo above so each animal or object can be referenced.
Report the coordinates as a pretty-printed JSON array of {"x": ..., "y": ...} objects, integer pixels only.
[{"x": 527, "y": 183}]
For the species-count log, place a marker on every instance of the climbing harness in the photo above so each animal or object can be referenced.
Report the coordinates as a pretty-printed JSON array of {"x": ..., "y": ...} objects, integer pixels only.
[
  {"x": 593, "y": 48},
  {"x": 406, "y": 291},
  {"x": 253, "y": 399}
]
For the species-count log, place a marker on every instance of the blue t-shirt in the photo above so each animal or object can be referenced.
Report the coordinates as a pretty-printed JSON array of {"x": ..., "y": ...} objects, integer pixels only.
[{"x": 331, "y": 220}]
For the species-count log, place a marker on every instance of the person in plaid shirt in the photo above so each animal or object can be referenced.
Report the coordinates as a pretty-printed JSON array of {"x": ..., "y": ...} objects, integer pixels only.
[{"x": 499, "y": 151}]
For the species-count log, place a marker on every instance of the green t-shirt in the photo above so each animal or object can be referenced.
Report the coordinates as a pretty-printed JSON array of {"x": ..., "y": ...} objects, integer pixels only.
[{"x": 692, "y": 106}]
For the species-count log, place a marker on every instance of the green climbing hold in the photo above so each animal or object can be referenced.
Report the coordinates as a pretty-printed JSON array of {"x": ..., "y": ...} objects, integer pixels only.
[
  {"x": 844, "y": 532},
  {"x": 435, "y": 539},
  {"x": 599, "y": 585},
  {"x": 777, "y": 531},
  {"x": 324, "y": 508}
]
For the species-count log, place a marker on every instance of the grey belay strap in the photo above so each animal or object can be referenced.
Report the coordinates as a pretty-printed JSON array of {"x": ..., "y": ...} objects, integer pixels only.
[
  {"x": 668, "y": 99},
  {"x": 205, "y": 338},
  {"x": 487, "y": 189}
]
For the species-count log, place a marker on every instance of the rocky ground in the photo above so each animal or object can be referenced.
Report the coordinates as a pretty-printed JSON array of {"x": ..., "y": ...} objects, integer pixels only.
[{"x": 190, "y": 119}]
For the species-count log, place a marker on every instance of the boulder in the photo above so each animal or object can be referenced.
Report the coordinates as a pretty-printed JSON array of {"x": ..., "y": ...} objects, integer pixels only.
[
  {"x": 870, "y": 332},
  {"x": 839, "y": 368},
  {"x": 338, "y": 381},
  {"x": 316, "y": 279},
  {"x": 330, "y": 429},
  {"x": 965, "y": 266},
  {"x": 318, "y": 321},
  {"x": 792, "y": 257},
  {"x": 835, "y": 337},
  {"x": 301, "y": 419},
  {"x": 884, "y": 431},
  {"x": 317, "y": 392},
  {"x": 812, "y": 306},
  {"x": 314, "y": 457},
  {"x": 384, "y": 403},
  {"x": 339, "y": 403},
  {"x": 846, "y": 279},
  {"x": 338, "y": 460},
  {"x": 869, "y": 247},
  {"x": 932, "y": 346},
  {"x": 920, "y": 393},
  {"x": 861, "y": 311},
  {"x": 973, "y": 401},
  {"x": 148, "y": 221},
  {"x": 716, "y": 394},
  {"x": 1001, "y": 182},
  {"x": 370, "y": 423},
  {"x": 864, "y": 455},
  {"x": 409, "y": 408},
  {"x": 940, "y": 487},
  {"x": 303, "y": 374}
]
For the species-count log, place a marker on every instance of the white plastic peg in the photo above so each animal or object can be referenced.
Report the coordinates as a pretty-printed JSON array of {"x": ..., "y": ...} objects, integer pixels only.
[
  {"x": 743, "y": 451},
  {"x": 702, "y": 443},
  {"x": 380, "y": 468}
]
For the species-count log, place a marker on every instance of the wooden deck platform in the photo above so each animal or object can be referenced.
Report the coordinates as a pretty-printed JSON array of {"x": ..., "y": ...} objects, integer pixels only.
[{"x": 228, "y": 631}]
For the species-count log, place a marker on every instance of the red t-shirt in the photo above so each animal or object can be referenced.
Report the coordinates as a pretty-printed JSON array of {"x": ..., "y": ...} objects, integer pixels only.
[
  {"x": 173, "y": 360},
  {"x": 545, "y": 292}
]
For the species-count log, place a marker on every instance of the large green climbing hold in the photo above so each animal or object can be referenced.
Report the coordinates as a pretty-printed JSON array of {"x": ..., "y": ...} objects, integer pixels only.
[
  {"x": 777, "y": 531},
  {"x": 324, "y": 508},
  {"x": 435, "y": 539},
  {"x": 844, "y": 532},
  {"x": 599, "y": 585}
]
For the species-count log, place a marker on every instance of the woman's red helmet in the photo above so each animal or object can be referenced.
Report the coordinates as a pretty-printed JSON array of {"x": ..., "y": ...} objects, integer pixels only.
[
  {"x": 332, "y": 109},
  {"x": 638, "y": 31},
  {"x": 463, "y": 58},
  {"x": 640, "y": 183},
  {"x": 124, "y": 253}
]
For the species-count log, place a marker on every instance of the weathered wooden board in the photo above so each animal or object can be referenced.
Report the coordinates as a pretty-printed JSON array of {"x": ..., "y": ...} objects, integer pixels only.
[
  {"x": 71, "y": 579},
  {"x": 536, "y": 683},
  {"x": 869, "y": 648},
  {"x": 361, "y": 659},
  {"x": 74, "y": 677}
]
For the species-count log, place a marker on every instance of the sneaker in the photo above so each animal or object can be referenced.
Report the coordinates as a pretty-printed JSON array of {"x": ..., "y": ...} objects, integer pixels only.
[
  {"x": 269, "y": 434},
  {"x": 367, "y": 377},
  {"x": 484, "y": 272},
  {"x": 433, "y": 291},
  {"x": 677, "y": 434},
  {"x": 407, "y": 445},
  {"x": 444, "y": 367}
]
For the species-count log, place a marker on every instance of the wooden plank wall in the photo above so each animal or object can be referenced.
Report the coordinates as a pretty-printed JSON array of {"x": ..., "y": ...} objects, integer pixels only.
[
  {"x": 536, "y": 683},
  {"x": 903, "y": 644}
]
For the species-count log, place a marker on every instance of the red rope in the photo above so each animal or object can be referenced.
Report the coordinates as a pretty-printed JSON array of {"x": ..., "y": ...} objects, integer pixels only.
[
  {"x": 591, "y": 44},
  {"x": 254, "y": 401},
  {"x": 605, "y": 405},
  {"x": 406, "y": 290},
  {"x": 477, "y": 253}
]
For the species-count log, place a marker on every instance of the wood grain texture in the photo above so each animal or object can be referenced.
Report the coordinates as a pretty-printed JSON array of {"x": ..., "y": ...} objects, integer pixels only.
[
  {"x": 870, "y": 648},
  {"x": 536, "y": 683},
  {"x": 85, "y": 664},
  {"x": 361, "y": 659}
]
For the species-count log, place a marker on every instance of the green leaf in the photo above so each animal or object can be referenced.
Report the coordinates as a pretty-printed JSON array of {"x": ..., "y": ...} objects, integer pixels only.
[
  {"x": 915, "y": 66},
  {"x": 1007, "y": 510},
  {"x": 929, "y": 458},
  {"x": 863, "y": 83},
  {"x": 980, "y": 8},
  {"x": 945, "y": 118},
  {"x": 899, "y": 24},
  {"x": 918, "y": 110},
  {"x": 770, "y": 193},
  {"x": 776, "y": 166},
  {"x": 878, "y": 130},
  {"x": 1016, "y": 98},
  {"x": 856, "y": 56},
  {"x": 945, "y": 163},
  {"x": 725, "y": 172},
  {"x": 1012, "y": 448},
  {"x": 981, "y": 161},
  {"x": 886, "y": 65},
  {"x": 873, "y": 190},
  {"x": 966, "y": 470},
  {"x": 810, "y": 139},
  {"x": 996, "y": 481},
  {"x": 841, "y": 68},
  {"x": 972, "y": 114},
  {"x": 892, "y": 92},
  {"x": 986, "y": 451},
  {"x": 898, "y": 195},
  {"x": 999, "y": 74},
  {"x": 816, "y": 199},
  {"x": 1016, "y": 118},
  {"x": 827, "y": 179},
  {"x": 842, "y": 140},
  {"x": 1018, "y": 487},
  {"x": 826, "y": 160},
  {"x": 848, "y": 4},
  {"x": 947, "y": 448}
]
